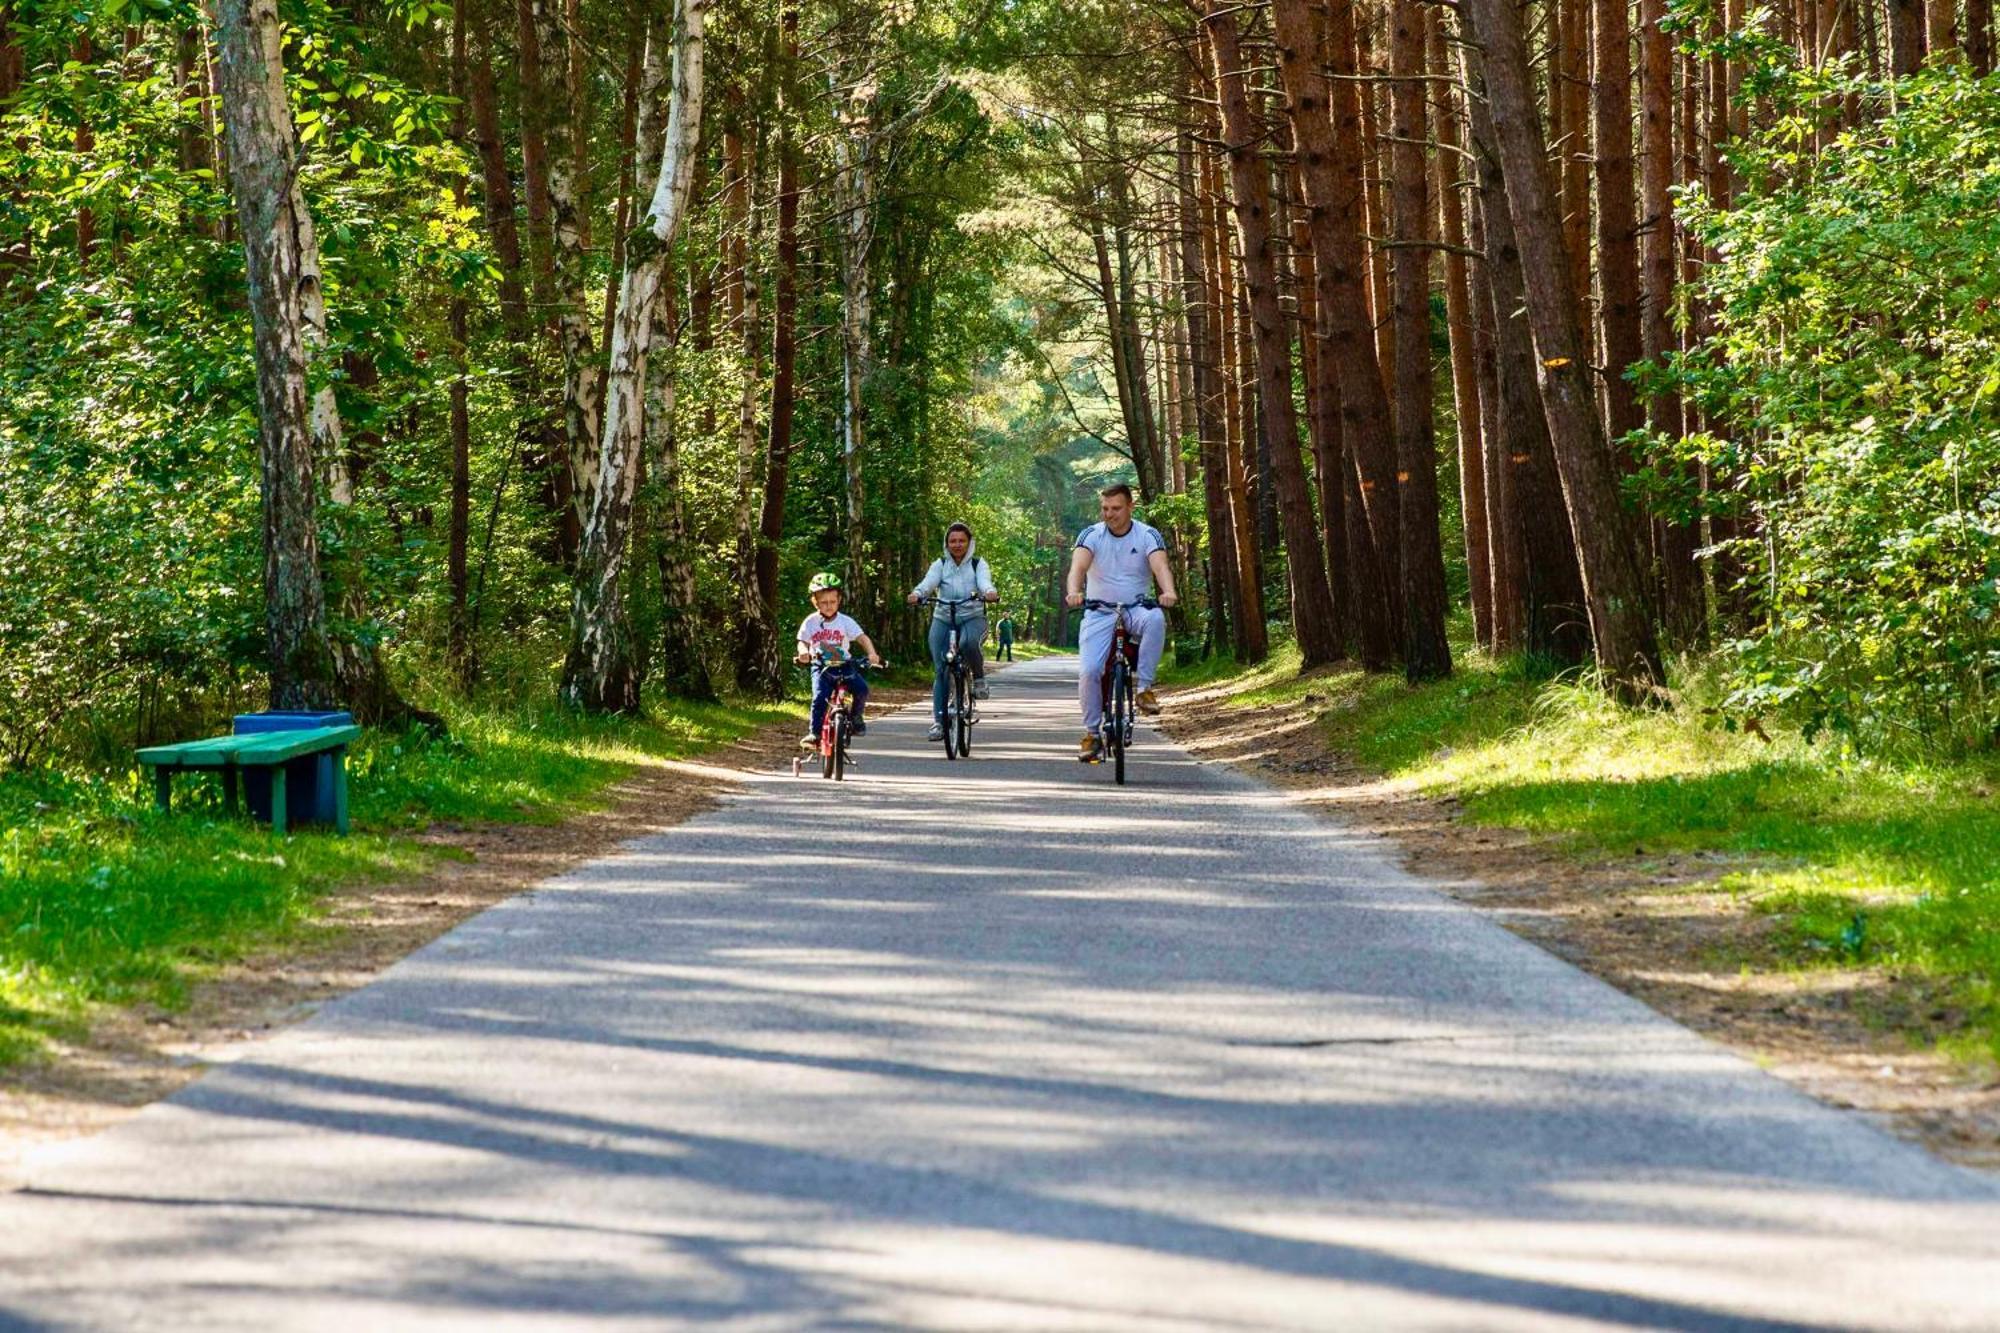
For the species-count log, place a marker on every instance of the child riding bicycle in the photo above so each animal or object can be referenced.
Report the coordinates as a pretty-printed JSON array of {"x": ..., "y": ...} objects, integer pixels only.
[{"x": 828, "y": 640}]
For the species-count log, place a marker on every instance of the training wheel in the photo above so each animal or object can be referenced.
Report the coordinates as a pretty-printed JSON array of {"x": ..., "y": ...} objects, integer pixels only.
[{"x": 798, "y": 766}]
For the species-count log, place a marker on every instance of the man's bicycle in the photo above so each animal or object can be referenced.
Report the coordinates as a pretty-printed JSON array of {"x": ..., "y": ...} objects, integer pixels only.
[
  {"x": 836, "y": 732},
  {"x": 1116, "y": 725},
  {"x": 959, "y": 713}
]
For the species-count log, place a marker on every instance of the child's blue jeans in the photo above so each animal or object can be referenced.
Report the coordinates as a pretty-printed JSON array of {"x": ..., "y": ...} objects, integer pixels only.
[{"x": 824, "y": 679}]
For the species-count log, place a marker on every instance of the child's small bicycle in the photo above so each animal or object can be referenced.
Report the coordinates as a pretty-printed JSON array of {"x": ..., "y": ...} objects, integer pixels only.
[{"x": 837, "y": 730}]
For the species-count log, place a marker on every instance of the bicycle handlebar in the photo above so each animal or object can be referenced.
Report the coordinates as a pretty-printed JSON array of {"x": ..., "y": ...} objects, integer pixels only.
[{"x": 1092, "y": 604}]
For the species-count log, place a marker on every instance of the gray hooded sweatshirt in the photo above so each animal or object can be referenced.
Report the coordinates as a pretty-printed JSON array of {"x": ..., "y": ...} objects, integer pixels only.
[{"x": 953, "y": 580}]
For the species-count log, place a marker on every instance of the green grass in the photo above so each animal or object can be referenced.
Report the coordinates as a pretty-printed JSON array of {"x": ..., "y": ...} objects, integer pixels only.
[
  {"x": 102, "y": 900},
  {"x": 1892, "y": 867}
]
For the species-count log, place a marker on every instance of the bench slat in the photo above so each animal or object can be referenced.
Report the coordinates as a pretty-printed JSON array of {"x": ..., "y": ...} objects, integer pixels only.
[{"x": 257, "y": 750}]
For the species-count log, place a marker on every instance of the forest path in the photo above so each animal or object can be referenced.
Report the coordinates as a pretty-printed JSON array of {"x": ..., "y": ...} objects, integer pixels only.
[{"x": 993, "y": 1045}]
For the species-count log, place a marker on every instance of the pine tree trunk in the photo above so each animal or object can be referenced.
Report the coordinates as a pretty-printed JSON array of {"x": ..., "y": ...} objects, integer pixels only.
[
  {"x": 1554, "y": 621},
  {"x": 458, "y": 638},
  {"x": 1252, "y": 639},
  {"x": 1426, "y": 652},
  {"x": 1332, "y": 167},
  {"x": 262, "y": 148},
  {"x": 761, "y": 645},
  {"x": 1464, "y": 350},
  {"x": 1322, "y": 392},
  {"x": 1207, "y": 387},
  {"x": 1617, "y": 262},
  {"x": 601, "y": 672},
  {"x": 1613, "y": 582},
  {"x": 1312, "y": 603},
  {"x": 1680, "y": 577},
  {"x": 743, "y": 305}
]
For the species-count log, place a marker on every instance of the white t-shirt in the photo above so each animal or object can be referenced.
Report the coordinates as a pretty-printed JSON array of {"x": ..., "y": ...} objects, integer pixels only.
[
  {"x": 1119, "y": 571},
  {"x": 817, "y": 634}
]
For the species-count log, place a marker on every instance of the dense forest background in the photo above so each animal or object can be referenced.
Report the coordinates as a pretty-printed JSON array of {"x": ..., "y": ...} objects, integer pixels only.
[{"x": 1649, "y": 340}]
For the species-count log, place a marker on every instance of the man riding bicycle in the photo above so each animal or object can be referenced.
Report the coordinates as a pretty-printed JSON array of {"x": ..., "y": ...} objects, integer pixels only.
[
  {"x": 959, "y": 575},
  {"x": 1116, "y": 562}
]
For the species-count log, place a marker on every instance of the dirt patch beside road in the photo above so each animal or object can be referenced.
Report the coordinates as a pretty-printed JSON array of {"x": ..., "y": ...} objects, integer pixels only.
[{"x": 1651, "y": 924}]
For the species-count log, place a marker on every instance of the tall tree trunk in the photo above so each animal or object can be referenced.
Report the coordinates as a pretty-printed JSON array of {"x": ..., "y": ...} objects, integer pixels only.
[
  {"x": 1322, "y": 417},
  {"x": 583, "y": 373},
  {"x": 1312, "y": 600},
  {"x": 743, "y": 308},
  {"x": 1426, "y": 652},
  {"x": 1207, "y": 390},
  {"x": 1617, "y": 265},
  {"x": 262, "y": 149},
  {"x": 1355, "y": 56},
  {"x": 458, "y": 638},
  {"x": 761, "y": 648},
  {"x": 1121, "y": 367},
  {"x": 1613, "y": 581},
  {"x": 1331, "y": 159},
  {"x": 1464, "y": 350},
  {"x": 1554, "y": 620},
  {"x": 1941, "y": 28},
  {"x": 1252, "y": 638},
  {"x": 529, "y": 25},
  {"x": 1906, "y": 36},
  {"x": 601, "y": 673},
  {"x": 1680, "y": 576}
]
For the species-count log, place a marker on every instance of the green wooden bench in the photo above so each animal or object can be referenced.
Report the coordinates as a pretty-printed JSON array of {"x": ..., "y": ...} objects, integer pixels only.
[{"x": 270, "y": 749}]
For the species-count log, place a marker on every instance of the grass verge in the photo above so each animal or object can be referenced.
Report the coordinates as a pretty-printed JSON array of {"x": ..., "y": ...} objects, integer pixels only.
[
  {"x": 104, "y": 901},
  {"x": 1891, "y": 869}
]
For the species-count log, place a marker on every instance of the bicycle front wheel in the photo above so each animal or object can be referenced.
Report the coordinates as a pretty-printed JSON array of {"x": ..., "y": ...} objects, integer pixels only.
[
  {"x": 964, "y": 727},
  {"x": 840, "y": 737},
  {"x": 1121, "y": 690}
]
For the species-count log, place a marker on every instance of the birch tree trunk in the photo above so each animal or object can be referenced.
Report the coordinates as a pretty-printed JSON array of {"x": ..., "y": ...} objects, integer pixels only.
[
  {"x": 262, "y": 149},
  {"x": 601, "y": 672}
]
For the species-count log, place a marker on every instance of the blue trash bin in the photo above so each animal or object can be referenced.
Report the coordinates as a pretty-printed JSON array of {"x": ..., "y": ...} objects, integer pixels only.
[{"x": 308, "y": 781}]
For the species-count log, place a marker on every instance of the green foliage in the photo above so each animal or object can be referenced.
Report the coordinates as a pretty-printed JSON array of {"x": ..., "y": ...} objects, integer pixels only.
[{"x": 1853, "y": 379}]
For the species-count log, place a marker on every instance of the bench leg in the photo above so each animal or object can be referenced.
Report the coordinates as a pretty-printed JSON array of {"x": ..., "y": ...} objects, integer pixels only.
[
  {"x": 278, "y": 799},
  {"x": 340, "y": 790},
  {"x": 229, "y": 790},
  {"x": 163, "y": 786}
]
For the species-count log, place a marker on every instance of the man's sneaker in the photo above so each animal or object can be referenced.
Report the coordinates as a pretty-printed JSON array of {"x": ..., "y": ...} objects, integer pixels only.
[
  {"x": 1149, "y": 703},
  {"x": 979, "y": 690},
  {"x": 1090, "y": 750},
  {"x": 936, "y": 732},
  {"x": 860, "y": 728}
]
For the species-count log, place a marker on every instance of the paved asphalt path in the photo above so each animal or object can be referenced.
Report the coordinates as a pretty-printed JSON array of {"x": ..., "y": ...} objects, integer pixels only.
[{"x": 993, "y": 1045}]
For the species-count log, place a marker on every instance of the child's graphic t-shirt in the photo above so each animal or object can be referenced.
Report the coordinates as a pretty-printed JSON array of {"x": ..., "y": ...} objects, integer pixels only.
[{"x": 826, "y": 639}]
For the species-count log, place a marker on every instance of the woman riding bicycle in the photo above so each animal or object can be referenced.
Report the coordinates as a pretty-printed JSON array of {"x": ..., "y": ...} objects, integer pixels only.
[{"x": 959, "y": 575}]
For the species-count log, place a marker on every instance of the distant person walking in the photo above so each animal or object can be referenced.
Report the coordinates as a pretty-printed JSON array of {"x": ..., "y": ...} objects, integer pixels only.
[{"x": 1006, "y": 631}]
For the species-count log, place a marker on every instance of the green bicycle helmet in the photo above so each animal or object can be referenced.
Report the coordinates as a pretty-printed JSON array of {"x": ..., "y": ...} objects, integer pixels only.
[{"x": 824, "y": 583}]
